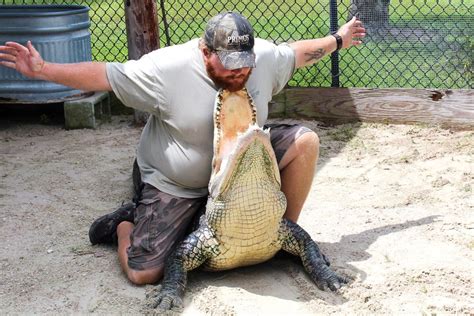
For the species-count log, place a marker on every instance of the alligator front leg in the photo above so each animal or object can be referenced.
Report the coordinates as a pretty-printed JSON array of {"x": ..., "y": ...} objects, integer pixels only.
[
  {"x": 190, "y": 254},
  {"x": 297, "y": 241}
]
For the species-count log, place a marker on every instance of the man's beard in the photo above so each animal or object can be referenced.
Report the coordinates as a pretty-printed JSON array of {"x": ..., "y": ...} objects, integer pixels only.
[{"x": 223, "y": 82}]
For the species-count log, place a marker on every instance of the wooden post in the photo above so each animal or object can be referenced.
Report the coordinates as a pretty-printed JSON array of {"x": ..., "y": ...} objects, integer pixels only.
[{"x": 141, "y": 19}]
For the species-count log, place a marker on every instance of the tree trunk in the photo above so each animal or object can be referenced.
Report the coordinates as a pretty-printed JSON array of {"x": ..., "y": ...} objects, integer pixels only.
[{"x": 141, "y": 19}]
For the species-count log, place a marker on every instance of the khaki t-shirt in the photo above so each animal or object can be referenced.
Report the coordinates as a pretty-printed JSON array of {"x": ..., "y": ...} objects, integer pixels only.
[{"x": 175, "y": 149}]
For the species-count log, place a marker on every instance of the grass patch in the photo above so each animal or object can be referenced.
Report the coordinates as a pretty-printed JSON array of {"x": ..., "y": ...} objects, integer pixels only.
[{"x": 343, "y": 133}]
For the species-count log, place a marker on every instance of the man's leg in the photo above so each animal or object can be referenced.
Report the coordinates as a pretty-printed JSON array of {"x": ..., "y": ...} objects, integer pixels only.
[
  {"x": 297, "y": 150},
  {"x": 161, "y": 222},
  {"x": 297, "y": 171},
  {"x": 124, "y": 231}
]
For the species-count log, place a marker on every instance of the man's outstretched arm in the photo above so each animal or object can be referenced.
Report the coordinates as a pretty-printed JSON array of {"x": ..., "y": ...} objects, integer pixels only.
[
  {"x": 308, "y": 52},
  {"x": 86, "y": 76}
]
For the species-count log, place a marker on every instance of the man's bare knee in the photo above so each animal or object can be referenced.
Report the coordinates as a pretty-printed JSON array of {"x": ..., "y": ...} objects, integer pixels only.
[
  {"x": 146, "y": 276},
  {"x": 309, "y": 143}
]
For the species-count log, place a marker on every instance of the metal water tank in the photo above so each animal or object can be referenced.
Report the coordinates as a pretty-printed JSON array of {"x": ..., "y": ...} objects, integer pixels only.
[{"x": 59, "y": 32}]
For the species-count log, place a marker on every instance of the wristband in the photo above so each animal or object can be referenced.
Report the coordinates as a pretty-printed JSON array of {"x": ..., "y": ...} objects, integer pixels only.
[{"x": 338, "y": 41}]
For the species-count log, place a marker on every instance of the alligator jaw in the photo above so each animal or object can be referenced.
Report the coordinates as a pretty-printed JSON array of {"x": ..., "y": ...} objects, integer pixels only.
[
  {"x": 234, "y": 112},
  {"x": 235, "y": 132},
  {"x": 253, "y": 141}
]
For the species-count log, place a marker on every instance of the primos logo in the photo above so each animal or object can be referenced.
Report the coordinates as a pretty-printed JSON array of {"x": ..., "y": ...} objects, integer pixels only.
[{"x": 239, "y": 40}]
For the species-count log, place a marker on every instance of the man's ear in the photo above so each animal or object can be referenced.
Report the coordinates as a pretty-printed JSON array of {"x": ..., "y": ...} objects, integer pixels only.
[{"x": 206, "y": 52}]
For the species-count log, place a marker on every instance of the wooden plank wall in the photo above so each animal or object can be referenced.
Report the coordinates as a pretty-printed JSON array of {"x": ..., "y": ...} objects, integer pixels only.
[{"x": 447, "y": 108}]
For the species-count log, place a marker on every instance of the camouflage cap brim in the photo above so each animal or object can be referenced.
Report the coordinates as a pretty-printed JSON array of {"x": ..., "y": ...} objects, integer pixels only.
[{"x": 234, "y": 60}]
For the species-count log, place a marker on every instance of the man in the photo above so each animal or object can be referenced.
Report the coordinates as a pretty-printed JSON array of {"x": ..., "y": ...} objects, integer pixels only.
[{"x": 178, "y": 85}]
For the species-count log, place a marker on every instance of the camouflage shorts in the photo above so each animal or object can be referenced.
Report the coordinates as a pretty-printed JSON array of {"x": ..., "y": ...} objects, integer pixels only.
[{"x": 162, "y": 220}]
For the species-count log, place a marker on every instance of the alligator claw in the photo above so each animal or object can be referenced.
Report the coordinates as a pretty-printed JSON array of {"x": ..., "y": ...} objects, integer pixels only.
[
  {"x": 328, "y": 279},
  {"x": 165, "y": 300},
  {"x": 325, "y": 285}
]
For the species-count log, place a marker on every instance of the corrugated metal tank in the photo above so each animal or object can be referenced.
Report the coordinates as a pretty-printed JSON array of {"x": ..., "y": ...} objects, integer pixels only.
[{"x": 59, "y": 32}]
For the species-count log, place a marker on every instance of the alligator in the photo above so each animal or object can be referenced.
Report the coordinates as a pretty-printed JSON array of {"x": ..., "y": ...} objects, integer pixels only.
[{"x": 243, "y": 222}]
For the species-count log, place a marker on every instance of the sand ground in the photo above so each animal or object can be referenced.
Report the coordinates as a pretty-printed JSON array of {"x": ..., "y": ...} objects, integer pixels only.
[{"x": 392, "y": 207}]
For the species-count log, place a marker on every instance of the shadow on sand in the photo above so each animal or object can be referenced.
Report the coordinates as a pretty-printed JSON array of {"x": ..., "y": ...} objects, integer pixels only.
[{"x": 283, "y": 277}]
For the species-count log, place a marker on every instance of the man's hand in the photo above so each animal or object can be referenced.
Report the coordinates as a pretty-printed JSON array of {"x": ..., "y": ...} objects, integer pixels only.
[
  {"x": 86, "y": 76},
  {"x": 24, "y": 59},
  {"x": 352, "y": 32},
  {"x": 307, "y": 52}
]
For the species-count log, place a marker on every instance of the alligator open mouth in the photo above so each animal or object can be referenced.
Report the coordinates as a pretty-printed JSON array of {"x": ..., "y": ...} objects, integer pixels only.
[{"x": 238, "y": 140}]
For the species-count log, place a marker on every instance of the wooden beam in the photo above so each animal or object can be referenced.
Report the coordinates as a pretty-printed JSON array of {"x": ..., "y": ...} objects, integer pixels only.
[
  {"x": 447, "y": 108},
  {"x": 141, "y": 20}
]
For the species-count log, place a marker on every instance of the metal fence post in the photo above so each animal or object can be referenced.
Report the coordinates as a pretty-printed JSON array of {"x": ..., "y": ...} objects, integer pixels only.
[{"x": 334, "y": 56}]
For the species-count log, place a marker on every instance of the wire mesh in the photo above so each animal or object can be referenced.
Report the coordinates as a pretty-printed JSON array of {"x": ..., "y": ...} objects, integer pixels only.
[
  {"x": 410, "y": 43},
  {"x": 108, "y": 33}
]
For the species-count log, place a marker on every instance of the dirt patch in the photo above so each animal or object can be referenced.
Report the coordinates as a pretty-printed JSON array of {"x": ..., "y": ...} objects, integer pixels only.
[{"x": 391, "y": 205}]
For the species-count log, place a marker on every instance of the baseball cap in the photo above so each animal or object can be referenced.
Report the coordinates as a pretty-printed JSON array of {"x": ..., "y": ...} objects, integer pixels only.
[{"x": 231, "y": 36}]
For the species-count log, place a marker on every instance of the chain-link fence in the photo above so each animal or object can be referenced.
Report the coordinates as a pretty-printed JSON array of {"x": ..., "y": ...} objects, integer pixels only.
[{"x": 410, "y": 43}]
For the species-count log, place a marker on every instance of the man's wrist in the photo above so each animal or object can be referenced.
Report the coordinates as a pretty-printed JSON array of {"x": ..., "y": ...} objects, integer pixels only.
[
  {"x": 338, "y": 41},
  {"x": 39, "y": 70}
]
